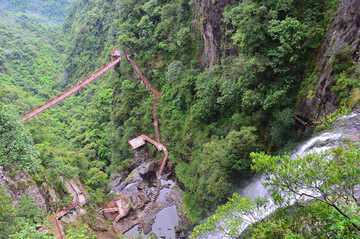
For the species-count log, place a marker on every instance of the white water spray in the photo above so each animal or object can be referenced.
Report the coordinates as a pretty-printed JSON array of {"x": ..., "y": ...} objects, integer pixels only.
[{"x": 254, "y": 187}]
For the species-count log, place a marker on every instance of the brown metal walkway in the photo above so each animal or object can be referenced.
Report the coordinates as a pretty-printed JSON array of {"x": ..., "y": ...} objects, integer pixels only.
[
  {"x": 75, "y": 88},
  {"x": 140, "y": 140}
]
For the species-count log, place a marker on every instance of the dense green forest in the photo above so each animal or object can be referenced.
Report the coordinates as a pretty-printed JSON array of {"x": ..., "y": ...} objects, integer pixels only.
[
  {"x": 333, "y": 214},
  {"x": 211, "y": 119},
  {"x": 246, "y": 103}
]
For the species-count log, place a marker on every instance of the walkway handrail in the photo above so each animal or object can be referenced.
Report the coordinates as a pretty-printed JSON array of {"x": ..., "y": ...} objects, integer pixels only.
[
  {"x": 63, "y": 211},
  {"x": 136, "y": 68},
  {"x": 157, "y": 94},
  {"x": 84, "y": 188},
  {"x": 156, "y": 121},
  {"x": 163, "y": 161},
  {"x": 58, "y": 226},
  {"x": 73, "y": 89}
]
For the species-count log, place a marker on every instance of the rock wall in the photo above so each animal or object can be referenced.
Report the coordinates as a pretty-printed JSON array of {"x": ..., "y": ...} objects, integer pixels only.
[
  {"x": 208, "y": 20},
  {"x": 344, "y": 31},
  {"x": 21, "y": 183}
]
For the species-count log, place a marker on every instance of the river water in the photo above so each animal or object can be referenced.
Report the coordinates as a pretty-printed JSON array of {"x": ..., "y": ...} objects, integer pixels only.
[
  {"x": 163, "y": 226},
  {"x": 346, "y": 127},
  {"x": 166, "y": 219}
]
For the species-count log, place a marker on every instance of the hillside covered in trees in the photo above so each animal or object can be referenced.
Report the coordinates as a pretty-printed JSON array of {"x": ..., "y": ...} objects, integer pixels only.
[{"x": 239, "y": 81}]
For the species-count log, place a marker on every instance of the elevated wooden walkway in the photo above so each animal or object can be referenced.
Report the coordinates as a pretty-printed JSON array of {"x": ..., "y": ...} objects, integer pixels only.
[
  {"x": 73, "y": 89},
  {"x": 141, "y": 140},
  {"x": 79, "y": 199},
  {"x": 122, "y": 207}
]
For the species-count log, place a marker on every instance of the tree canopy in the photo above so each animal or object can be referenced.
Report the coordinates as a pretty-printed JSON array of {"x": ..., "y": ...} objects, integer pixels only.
[
  {"x": 16, "y": 145},
  {"x": 329, "y": 179}
]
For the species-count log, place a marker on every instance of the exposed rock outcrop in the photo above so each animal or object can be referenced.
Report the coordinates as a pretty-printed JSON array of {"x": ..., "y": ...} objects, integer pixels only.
[
  {"x": 344, "y": 32},
  {"x": 17, "y": 184},
  {"x": 148, "y": 196},
  {"x": 148, "y": 170},
  {"x": 208, "y": 14}
]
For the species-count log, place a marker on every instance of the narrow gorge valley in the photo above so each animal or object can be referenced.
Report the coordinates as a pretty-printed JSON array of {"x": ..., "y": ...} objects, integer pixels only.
[{"x": 179, "y": 119}]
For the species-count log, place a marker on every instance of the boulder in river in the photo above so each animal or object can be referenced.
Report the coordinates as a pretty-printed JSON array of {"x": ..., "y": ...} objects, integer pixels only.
[{"x": 148, "y": 170}]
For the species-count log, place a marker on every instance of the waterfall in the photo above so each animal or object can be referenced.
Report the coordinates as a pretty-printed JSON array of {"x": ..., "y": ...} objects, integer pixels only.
[{"x": 253, "y": 187}]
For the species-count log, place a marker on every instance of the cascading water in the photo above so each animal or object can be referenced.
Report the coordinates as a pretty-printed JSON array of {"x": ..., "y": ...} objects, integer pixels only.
[{"x": 346, "y": 127}]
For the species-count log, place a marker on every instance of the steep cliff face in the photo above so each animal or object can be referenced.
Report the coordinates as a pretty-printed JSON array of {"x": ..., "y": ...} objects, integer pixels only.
[
  {"x": 208, "y": 14},
  {"x": 344, "y": 32},
  {"x": 21, "y": 183}
]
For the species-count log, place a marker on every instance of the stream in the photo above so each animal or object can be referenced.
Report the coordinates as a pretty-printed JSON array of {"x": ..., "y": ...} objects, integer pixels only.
[
  {"x": 346, "y": 127},
  {"x": 163, "y": 226},
  {"x": 165, "y": 220}
]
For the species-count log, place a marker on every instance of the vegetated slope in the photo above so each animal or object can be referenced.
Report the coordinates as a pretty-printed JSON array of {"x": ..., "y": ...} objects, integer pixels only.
[
  {"x": 88, "y": 30},
  {"x": 29, "y": 63},
  {"x": 29, "y": 59},
  {"x": 211, "y": 119},
  {"x": 53, "y": 10},
  {"x": 71, "y": 136},
  {"x": 333, "y": 82},
  {"x": 30, "y": 54}
]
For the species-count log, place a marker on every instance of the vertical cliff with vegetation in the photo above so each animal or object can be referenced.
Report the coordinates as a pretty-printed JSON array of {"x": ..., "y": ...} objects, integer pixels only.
[
  {"x": 236, "y": 77},
  {"x": 30, "y": 62},
  {"x": 211, "y": 118},
  {"x": 333, "y": 81}
]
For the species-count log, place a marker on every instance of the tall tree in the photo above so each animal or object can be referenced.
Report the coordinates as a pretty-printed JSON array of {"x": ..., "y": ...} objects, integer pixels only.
[
  {"x": 330, "y": 178},
  {"x": 16, "y": 144},
  {"x": 7, "y": 214}
]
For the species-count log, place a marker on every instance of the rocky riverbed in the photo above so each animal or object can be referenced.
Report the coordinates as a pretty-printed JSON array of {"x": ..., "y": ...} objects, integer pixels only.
[{"x": 155, "y": 204}]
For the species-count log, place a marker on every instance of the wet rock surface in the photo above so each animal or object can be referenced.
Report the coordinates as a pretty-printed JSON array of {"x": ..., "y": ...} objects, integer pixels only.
[
  {"x": 344, "y": 32},
  {"x": 117, "y": 178},
  {"x": 349, "y": 126},
  {"x": 147, "y": 171},
  {"x": 152, "y": 201}
]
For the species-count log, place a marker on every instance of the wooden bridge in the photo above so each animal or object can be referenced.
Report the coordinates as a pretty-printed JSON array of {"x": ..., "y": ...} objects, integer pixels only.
[{"x": 73, "y": 89}]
